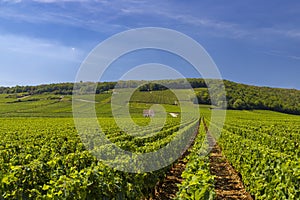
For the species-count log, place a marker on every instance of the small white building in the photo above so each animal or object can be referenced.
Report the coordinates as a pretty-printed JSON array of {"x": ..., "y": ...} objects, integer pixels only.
[{"x": 148, "y": 113}]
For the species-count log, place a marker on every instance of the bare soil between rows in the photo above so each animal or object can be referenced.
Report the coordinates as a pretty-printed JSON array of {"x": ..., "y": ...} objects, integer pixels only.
[
  {"x": 228, "y": 182},
  {"x": 168, "y": 188}
]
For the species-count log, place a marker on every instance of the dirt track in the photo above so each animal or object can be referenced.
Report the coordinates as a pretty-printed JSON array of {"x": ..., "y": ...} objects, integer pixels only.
[{"x": 228, "y": 184}]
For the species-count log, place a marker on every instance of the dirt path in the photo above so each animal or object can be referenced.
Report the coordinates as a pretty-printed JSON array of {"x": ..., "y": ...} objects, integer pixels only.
[
  {"x": 168, "y": 188},
  {"x": 228, "y": 183}
]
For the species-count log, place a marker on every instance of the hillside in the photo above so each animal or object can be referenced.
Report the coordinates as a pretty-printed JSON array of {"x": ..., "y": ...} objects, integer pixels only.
[
  {"x": 239, "y": 96},
  {"x": 247, "y": 97}
]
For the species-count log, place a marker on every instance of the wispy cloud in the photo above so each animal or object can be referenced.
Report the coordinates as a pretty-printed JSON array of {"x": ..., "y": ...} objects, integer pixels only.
[
  {"x": 36, "y": 60},
  {"x": 171, "y": 15},
  {"x": 282, "y": 54},
  {"x": 43, "y": 1},
  {"x": 208, "y": 24},
  {"x": 217, "y": 26},
  {"x": 20, "y": 45},
  {"x": 10, "y": 1},
  {"x": 294, "y": 57},
  {"x": 292, "y": 33},
  {"x": 108, "y": 16},
  {"x": 109, "y": 11},
  {"x": 79, "y": 16}
]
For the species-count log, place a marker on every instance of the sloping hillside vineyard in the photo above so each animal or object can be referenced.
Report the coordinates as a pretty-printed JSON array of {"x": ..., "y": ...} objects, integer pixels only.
[{"x": 43, "y": 157}]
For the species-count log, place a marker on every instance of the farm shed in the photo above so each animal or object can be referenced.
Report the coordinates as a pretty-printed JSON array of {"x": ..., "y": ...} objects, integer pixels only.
[{"x": 148, "y": 113}]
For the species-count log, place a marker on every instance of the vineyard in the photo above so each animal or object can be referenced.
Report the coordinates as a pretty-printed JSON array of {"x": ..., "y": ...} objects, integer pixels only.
[
  {"x": 43, "y": 157},
  {"x": 264, "y": 148}
]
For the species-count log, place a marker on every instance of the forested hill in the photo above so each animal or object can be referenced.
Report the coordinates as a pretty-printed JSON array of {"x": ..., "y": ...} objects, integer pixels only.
[
  {"x": 247, "y": 97},
  {"x": 239, "y": 96}
]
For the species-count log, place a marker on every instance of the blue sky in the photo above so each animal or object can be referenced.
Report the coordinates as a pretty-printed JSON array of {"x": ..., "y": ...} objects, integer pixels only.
[{"x": 252, "y": 42}]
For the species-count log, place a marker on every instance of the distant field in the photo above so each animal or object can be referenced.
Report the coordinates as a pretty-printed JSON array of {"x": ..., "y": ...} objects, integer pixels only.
[{"x": 50, "y": 105}]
